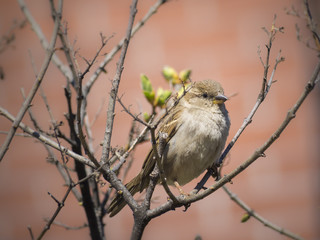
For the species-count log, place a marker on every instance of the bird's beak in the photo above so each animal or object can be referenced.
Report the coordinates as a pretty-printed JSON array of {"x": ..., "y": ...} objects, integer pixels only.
[{"x": 220, "y": 99}]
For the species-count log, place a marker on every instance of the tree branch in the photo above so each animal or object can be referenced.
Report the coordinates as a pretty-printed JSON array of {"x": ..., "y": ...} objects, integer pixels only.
[
  {"x": 115, "y": 86},
  {"x": 265, "y": 222}
]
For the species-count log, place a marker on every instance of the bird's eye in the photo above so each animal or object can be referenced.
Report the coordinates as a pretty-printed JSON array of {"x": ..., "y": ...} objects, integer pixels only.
[{"x": 205, "y": 95}]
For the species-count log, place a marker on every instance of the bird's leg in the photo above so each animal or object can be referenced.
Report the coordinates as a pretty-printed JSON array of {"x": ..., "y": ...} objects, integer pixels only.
[
  {"x": 177, "y": 185},
  {"x": 214, "y": 172}
]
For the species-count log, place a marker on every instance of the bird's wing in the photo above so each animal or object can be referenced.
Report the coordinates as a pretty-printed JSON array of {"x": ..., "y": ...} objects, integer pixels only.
[{"x": 169, "y": 126}]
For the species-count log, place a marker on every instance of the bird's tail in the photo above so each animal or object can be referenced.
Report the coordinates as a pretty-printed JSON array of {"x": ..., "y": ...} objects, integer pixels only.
[{"x": 118, "y": 202}]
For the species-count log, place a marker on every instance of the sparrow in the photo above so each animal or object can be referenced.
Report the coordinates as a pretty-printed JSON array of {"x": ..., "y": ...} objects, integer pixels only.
[{"x": 197, "y": 129}]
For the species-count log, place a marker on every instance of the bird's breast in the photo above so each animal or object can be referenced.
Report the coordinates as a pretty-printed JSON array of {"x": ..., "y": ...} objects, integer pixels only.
[{"x": 197, "y": 143}]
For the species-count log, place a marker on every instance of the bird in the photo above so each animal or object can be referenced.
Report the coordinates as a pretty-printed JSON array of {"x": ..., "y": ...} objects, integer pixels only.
[{"x": 197, "y": 128}]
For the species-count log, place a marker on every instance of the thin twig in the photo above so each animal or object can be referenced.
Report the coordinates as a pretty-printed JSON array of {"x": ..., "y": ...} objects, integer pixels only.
[
  {"x": 115, "y": 86},
  {"x": 157, "y": 154},
  {"x": 62, "y": 168},
  {"x": 45, "y": 100},
  {"x": 261, "y": 219},
  {"x": 60, "y": 224},
  {"x": 16, "y": 134},
  {"x": 81, "y": 100},
  {"x": 131, "y": 146},
  {"x": 58, "y": 209},
  {"x": 8, "y": 38},
  {"x": 135, "y": 117},
  {"x": 30, "y": 232},
  {"x": 87, "y": 127},
  {"x": 153, "y": 125},
  {"x": 97, "y": 114},
  {"x": 261, "y": 96},
  {"x": 46, "y": 140},
  {"x": 141, "y": 136},
  {"x": 37, "y": 29},
  {"x": 132, "y": 143},
  {"x": 43, "y": 70},
  {"x": 312, "y": 25},
  {"x": 79, "y": 117},
  {"x": 117, "y": 48},
  {"x": 54, "y": 123},
  {"x": 63, "y": 172},
  {"x": 84, "y": 103},
  {"x": 63, "y": 157},
  {"x": 32, "y": 117},
  {"x": 60, "y": 204}
]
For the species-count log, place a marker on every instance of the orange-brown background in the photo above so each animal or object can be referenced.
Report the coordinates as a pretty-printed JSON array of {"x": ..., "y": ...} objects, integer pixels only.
[{"x": 216, "y": 39}]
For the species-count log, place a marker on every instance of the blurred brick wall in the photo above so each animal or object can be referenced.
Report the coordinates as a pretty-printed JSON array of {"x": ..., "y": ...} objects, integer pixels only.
[{"x": 216, "y": 39}]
